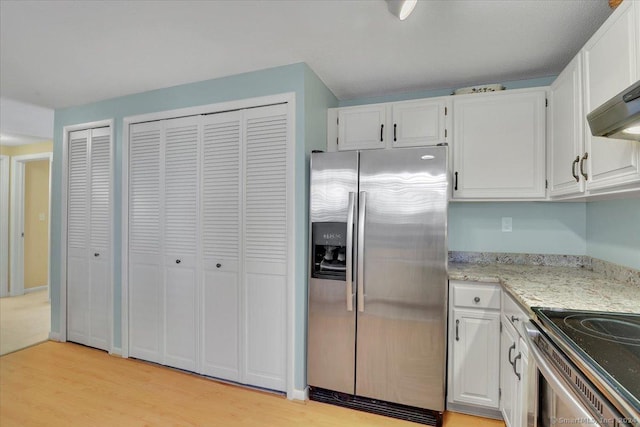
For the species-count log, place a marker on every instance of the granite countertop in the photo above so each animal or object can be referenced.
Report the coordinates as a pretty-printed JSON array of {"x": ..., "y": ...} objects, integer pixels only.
[{"x": 554, "y": 287}]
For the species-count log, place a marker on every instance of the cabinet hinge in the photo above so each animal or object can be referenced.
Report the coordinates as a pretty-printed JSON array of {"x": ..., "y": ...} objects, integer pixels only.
[
  {"x": 499, "y": 393},
  {"x": 445, "y": 133},
  {"x": 501, "y": 326},
  {"x": 445, "y": 111},
  {"x": 338, "y": 121},
  {"x": 337, "y": 141},
  {"x": 546, "y": 102},
  {"x": 546, "y": 183}
]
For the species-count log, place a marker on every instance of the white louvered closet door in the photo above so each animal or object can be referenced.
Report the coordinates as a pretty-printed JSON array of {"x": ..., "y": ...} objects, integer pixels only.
[
  {"x": 78, "y": 267},
  {"x": 221, "y": 213},
  {"x": 100, "y": 238},
  {"x": 266, "y": 139},
  {"x": 180, "y": 241},
  {"x": 89, "y": 238},
  {"x": 146, "y": 290}
]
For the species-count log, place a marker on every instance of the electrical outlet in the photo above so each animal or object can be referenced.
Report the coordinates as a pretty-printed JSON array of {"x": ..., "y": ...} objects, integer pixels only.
[{"x": 507, "y": 224}]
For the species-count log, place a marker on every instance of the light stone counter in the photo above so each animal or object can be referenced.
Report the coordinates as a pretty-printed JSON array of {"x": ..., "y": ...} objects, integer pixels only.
[{"x": 554, "y": 287}]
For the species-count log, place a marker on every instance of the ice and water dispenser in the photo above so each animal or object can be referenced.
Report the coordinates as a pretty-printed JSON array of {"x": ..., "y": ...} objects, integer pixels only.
[{"x": 329, "y": 250}]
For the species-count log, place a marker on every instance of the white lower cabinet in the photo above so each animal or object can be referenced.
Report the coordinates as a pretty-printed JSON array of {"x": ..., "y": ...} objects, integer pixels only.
[
  {"x": 474, "y": 346},
  {"x": 515, "y": 375}
]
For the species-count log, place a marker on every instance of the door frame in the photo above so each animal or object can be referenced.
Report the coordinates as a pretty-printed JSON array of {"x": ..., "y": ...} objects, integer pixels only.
[
  {"x": 63, "y": 226},
  {"x": 16, "y": 222},
  {"x": 292, "y": 153},
  {"x": 4, "y": 225}
]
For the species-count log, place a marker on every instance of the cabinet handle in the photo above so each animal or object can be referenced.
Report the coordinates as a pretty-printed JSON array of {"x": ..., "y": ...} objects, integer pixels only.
[
  {"x": 455, "y": 184},
  {"x": 513, "y": 347},
  {"x": 515, "y": 364},
  {"x": 457, "y": 324},
  {"x": 381, "y": 130},
  {"x": 476, "y": 300},
  {"x": 573, "y": 169},
  {"x": 96, "y": 254},
  {"x": 582, "y": 172},
  {"x": 394, "y": 132},
  {"x": 178, "y": 261},
  {"x": 514, "y": 319},
  {"x": 218, "y": 265}
]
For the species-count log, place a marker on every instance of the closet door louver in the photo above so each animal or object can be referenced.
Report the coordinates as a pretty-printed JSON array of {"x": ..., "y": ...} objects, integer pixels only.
[
  {"x": 99, "y": 236},
  {"x": 180, "y": 244},
  {"x": 77, "y": 238},
  {"x": 146, "y": 302},
  {"x": 221, "y": 189},
  {"x": 265, "y": 252}
]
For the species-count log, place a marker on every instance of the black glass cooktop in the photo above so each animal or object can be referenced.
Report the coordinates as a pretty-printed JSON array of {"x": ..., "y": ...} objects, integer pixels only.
[{"x": 608, "y": 342}]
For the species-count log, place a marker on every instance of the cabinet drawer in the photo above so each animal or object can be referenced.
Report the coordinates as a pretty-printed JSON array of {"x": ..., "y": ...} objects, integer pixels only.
[
  {"x": 476, "y": 296},
  {"x": 513, "y": 312}
]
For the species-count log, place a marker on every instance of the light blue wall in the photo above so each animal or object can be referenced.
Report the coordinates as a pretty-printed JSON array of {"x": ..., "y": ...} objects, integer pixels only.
[
  {"x": 296, "y": 78},
  {"x": 613, "y": 231},
  {"x": 404, "y": 96},
  {"x": 538, "y": 227}
]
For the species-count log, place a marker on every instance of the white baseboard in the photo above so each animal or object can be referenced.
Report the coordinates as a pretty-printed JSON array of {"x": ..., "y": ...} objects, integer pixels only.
[
  {"x": 35, "y": 289},
  {"x": 300, "y": 394},
  {"x": 54, "y": 336},
  {"x": 116, "y": 351}
]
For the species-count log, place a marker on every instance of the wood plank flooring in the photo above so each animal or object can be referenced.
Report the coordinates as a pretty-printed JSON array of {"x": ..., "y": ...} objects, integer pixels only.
[{"x": 64, "y": 384}]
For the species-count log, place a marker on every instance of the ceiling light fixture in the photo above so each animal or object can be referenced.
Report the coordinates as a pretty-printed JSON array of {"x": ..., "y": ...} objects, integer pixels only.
[{"x": 401, "y": 8}]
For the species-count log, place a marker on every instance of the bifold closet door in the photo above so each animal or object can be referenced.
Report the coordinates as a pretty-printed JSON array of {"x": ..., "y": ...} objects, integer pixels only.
[
  {"x": 146, "y": 284},
  {"x": 221, "y": 244},
  {"x": 266, "y": 137},
  {"x": 89, "y": 238},
  {"x": 181, "y": 173}
]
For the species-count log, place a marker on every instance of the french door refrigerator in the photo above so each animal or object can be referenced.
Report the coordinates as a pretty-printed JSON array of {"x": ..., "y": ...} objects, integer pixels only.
[{"x": 378, "y": 281}]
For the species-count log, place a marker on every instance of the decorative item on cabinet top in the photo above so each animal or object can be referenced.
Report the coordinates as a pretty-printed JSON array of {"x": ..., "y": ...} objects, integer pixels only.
[{"x": 478, "y": 89}]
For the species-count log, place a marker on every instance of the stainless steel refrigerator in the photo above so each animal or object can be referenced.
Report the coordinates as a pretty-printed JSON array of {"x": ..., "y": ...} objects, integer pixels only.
[{"x": 378, "y": 280}]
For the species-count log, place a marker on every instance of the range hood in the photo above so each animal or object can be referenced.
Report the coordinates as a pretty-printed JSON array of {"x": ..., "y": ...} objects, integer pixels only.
[{"x": 619, "y": 117}]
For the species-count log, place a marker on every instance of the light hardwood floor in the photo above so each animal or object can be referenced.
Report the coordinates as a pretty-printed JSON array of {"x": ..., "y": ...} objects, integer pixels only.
[
  {"x": 24, "y": 320},
  {"x": 64, "y": 384}
]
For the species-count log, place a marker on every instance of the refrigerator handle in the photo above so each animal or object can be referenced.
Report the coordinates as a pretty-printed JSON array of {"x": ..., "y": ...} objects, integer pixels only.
[
  {"x": 349, "y": 273},
  {"x": 362, "y": 203}
]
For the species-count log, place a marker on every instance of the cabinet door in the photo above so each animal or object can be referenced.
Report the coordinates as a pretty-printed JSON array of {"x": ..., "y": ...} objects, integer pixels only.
[
  {"x": 220, "y": 219},
  {"x": 266, "y": 136},
  {"x": 521, "y": 407},
  {"x": 180, "y": 242},
  {"x": 499, "y": 145},
  {"x": 476, "y": 348},
  {"x": 508, "y": 351},
  {"x": 418, "y": 123},
  {"x": 362, "y": 127},
  {"x": 146, "y": 288},
  {"x": 610, "y": 66},
  {"x": 78, "y": 267},
  {"x": 100, "y": 238},
  {"x": 566, "y": 124}
]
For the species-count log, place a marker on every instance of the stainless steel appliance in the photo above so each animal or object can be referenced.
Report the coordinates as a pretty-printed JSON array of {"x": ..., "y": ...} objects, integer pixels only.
[
  {"x": 619, "y": 117},
  {"x": 378, "y": 282},
  {"x": 589, "y": 366}
]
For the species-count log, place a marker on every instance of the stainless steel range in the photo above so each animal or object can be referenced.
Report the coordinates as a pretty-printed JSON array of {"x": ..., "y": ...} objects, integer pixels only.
[{"x": 589, "y": 365}]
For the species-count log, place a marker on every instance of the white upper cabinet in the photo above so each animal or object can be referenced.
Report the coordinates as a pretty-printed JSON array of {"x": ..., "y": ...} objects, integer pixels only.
[
  {"x": 418, "y": 123},
  {"x": 565, "y": 131},
  {"x": 361, "y": 127},
  {"x": 611, "y": 60},
  {"x": 390, "y": 125},
  {"x": 499, "y": 145}
]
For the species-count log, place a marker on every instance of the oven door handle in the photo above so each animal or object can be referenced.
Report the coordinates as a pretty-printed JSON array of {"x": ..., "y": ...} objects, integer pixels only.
[{"x": 548, "y": 372}]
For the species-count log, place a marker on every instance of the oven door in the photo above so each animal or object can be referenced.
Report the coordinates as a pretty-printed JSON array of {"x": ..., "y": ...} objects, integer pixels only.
[{"x": 557, "y": 402}]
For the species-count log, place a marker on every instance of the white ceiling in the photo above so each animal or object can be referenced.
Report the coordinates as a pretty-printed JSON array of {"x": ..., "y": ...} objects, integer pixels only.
[{"x": 58, "y": 54}]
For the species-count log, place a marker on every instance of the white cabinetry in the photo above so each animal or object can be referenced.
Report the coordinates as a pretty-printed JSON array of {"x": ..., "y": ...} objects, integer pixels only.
[
  {"x": 390, "y": 125},
  {"x": 516, "y": 377},
  {"x": 89, "y": 315},
  {"x": 474, "y": 342},
  {"x": 208, "y": 245},
  {"x": 611, "y": 64},
  {"x": 499, "y": 145}
]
